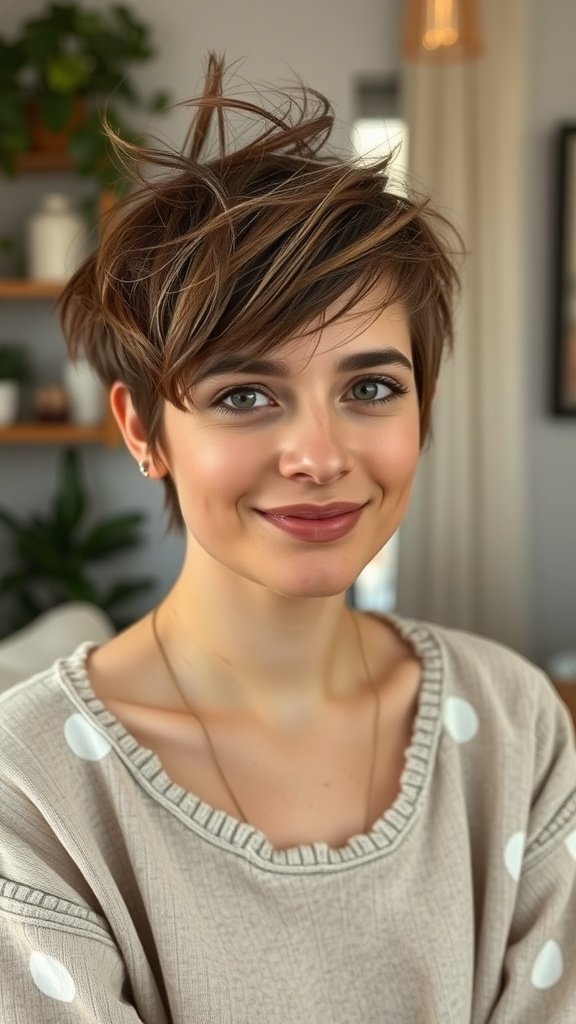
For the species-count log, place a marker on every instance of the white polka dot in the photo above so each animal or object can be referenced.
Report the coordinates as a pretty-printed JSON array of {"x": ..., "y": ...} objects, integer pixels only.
[
  {"x": 514, "y": 853},
  {"x": 570, "y": 842},
  {"x": 548, "y": 966},
  {"x": 51, "y": 977},
  {"x": 84, "y": 739},
  {"x": 460, "y": 719}
]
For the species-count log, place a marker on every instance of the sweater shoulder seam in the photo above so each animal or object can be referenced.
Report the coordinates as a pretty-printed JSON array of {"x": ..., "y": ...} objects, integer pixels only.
[{"x": 44, "y": 908}]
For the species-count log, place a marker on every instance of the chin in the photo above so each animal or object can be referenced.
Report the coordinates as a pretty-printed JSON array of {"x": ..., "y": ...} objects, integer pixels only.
[{"x": 313, "y": 587}]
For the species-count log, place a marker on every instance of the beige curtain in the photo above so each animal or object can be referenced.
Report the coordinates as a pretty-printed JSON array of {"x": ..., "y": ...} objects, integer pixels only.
[{"x": 463, "y": 547}]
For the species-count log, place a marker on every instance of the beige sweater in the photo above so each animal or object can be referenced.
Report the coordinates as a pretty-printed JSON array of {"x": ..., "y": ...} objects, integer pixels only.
[{"x": 124, "y": 898}]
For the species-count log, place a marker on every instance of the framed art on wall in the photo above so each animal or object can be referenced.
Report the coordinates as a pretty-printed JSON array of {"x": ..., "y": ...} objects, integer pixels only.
[{"x": 564, "y": 397}]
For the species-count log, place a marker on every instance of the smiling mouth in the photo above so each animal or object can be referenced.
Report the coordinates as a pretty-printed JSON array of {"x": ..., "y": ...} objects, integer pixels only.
[
  {"x": 314, "y": 512},
  {"x": 312, "y": 528}
]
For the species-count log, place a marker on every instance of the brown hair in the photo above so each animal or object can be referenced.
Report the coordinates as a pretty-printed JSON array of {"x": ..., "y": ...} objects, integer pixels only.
[{"x": 239, "y": 251}]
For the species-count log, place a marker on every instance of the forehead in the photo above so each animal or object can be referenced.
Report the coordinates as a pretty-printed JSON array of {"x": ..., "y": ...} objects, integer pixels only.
[
  {"x": 369, "y": 334},
  {"x": 360, "y": 329}
]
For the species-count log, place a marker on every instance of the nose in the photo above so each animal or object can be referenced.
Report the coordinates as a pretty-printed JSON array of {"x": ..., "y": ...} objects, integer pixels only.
[{"x": 316, "y": 446}]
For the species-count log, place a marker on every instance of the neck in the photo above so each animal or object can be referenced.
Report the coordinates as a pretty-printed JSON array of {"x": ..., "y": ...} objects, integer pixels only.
[{"x": 237, "y": 646}]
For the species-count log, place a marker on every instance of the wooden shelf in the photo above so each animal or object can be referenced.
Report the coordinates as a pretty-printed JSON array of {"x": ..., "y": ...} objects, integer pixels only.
[
  {"x": 21, "y": 288},
  {"x": 59, "y": 433}
]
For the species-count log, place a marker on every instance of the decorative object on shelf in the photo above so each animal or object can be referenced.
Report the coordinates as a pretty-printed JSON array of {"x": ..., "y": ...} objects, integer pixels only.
[
  {"x": 439, "y": 30},
  {"x": 564, "y": 395},
  {"x": 66, "y": 64},
  {"x": 50, "y": 404},
  {"x": 56, "y": 240},
  {"x": 54, "y": 550},
  {"x": 14, "y": 372},
  {"x": 85, "y": 393}
]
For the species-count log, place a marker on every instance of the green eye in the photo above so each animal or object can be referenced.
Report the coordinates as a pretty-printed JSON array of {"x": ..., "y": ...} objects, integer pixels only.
[
  {"x": 242, "y": 399},
  {"x": 239, "y": 400},
  {"x": 366, "y": 390},
  {"x": 376, "y": 391}
]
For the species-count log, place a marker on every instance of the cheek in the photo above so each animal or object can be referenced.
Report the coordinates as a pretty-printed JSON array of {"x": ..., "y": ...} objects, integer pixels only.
[
  {"x": 396, "y": 458},
  {"x": 210, "y": 468}
]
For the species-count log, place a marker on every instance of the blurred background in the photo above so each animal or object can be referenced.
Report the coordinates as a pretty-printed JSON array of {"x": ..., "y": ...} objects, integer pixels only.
[{"x": 490, "y": 542}]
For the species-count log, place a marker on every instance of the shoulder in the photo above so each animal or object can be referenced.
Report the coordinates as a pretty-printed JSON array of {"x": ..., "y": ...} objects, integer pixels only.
[
  {"x": 34, "y": 717},
  {"x": 493, "y": 674},
  {"x": 48, "y": 788},
  {"x": 506, "y": 732},
  {"x": 478, "y": 656}
]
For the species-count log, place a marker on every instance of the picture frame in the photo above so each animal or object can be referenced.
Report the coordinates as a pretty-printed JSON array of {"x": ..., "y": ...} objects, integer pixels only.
[{"x": 564, "y": 383}]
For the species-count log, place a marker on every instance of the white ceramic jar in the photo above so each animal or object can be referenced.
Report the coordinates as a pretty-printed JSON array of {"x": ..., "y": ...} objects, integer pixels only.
[
  {"x": 56, "y": 240},
  {"x": 9, "y": 397}
]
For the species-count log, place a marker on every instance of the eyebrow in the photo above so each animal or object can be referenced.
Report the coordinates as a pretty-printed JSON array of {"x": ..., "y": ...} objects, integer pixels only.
[{"x": 276, "y": 368}]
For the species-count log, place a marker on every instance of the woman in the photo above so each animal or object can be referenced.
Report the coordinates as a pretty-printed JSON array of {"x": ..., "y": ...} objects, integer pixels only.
[{"x": 256, "y": 804}]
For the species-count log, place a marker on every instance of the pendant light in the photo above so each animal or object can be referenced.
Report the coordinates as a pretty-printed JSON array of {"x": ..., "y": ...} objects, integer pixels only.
[{"x": 440, "y": 30}]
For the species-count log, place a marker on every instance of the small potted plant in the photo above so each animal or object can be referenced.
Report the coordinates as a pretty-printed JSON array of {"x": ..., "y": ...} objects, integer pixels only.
[
  {"x": 14, "y": 371},
  {"x": 67, "y": 66},
  {"x": 57, "y": 551}
]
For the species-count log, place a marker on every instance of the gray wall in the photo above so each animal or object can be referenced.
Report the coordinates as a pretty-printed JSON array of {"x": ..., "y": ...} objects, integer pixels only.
[
  {"x": 326, "y": 42},
  {"x": 551, "y": 442}
]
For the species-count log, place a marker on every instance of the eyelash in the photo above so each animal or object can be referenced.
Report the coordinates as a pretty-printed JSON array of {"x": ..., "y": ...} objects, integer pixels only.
[{"x": 396, "y": 388}]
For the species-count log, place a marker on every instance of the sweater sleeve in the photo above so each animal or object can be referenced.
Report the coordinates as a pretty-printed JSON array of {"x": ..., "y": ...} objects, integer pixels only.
[
  {"x": 539, "y": 970},
  {"x": 57, "y": 963}
]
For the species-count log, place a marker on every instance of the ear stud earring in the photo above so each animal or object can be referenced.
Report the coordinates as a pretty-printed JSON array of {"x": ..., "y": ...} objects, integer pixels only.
[{"x": 144, "y": 467}]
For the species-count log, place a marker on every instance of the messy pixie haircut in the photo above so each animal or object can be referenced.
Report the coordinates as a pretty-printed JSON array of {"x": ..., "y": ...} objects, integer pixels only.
[{"x": 224, "y": 248}]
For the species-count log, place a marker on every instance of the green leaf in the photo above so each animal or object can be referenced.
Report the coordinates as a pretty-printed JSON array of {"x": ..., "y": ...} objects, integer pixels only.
[
  {"x": 68, "y": 73},
  {"x": 40, "y": 559},
  {"x": 10, "y": 522},
  {"x": 42, "y": 542},
  {"x": 86, "y": 146},
  {"x": 81, "y": 589},
  {"x": 13, "y": 581},
  {"x": 40, "y": 40},
  {"x": 89, "y": 23},
  {"x": 112, "y": 535},
  {"x": 11, "y": 61},
  {"x": 159, "y": 101},
  {"x": 29, "y": 608},
  {"x": 55, "y": 109},
  {"x": 12, "y": 115},
  {"x": 70, "y": 502},
  {"x": 14, "y": 363},
  {"x": 91, "y": 152}
]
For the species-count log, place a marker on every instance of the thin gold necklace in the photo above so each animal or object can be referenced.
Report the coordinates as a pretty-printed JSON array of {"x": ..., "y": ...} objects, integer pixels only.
[{"x": 375, "y": 724}]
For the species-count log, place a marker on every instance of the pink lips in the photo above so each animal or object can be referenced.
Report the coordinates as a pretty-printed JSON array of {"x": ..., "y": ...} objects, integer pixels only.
[
  {"x": 337, "y": 508},
  {"x": 315, "y": 523}
]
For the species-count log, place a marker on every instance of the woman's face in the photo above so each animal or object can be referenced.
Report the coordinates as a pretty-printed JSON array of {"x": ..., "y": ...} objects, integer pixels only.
[{"x": 334, "y": 420}]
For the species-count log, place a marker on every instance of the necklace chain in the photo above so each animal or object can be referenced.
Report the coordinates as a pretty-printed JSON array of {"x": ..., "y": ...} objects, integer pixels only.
[{"x": 215, "y": 758}]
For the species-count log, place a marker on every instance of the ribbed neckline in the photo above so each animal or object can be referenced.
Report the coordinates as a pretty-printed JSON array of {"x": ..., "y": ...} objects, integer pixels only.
[{"x": 238, "y": 837}]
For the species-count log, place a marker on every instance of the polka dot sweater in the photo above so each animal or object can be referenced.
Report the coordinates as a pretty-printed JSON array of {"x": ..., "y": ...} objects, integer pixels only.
[{"x": 125, "y": 898}]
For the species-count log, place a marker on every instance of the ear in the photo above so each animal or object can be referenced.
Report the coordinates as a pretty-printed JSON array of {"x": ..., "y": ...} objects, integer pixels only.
[{"x": 132, "y": 431}]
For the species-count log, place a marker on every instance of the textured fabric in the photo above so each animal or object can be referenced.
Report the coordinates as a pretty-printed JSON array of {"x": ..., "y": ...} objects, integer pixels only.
[{"x": 124, "y": 898}]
